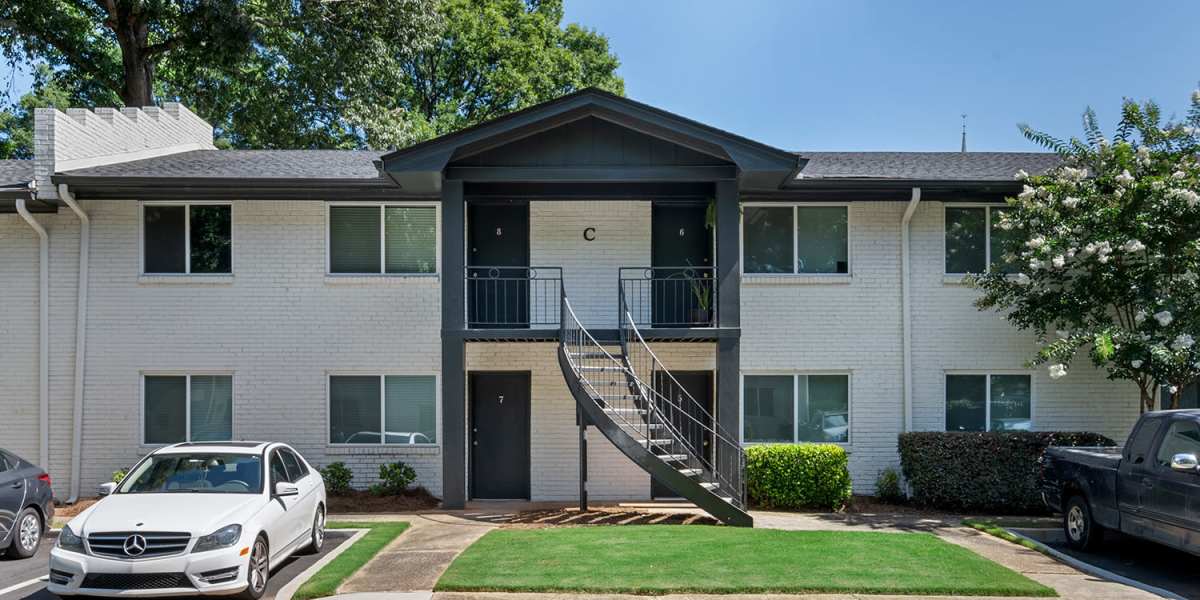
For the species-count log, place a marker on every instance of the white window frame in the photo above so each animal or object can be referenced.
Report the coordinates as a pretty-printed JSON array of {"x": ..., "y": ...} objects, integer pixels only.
[
  {"x": 437, "y": 226},
  {"x": 795, "y": 375},
  {"x": 987, "y": 394},
  {"x": 987, "y": 233},
  {"x": 437, "y": 402},
  {"x": 796, "y": 239},
  {"x": 187, "y": 413},
  {"x": 187, "y": 237}
]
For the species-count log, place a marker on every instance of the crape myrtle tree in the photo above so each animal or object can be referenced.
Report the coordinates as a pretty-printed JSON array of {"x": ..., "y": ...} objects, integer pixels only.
[{"x": 1104, "y": 252}]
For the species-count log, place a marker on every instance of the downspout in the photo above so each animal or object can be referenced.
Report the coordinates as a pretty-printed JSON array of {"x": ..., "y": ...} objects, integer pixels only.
[
  {"x": 906, "y": 306},
  {"x": 43, "y": 334},
  {"x": 81, "y": 303}
]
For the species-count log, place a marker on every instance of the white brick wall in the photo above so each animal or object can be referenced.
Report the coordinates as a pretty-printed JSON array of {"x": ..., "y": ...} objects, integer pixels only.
[
  {"x": 854, "y": 325},
  {"x": 81, "y": 138},
  {"x": 279, "y": 324},
  {"x": 622, "y": 239}
]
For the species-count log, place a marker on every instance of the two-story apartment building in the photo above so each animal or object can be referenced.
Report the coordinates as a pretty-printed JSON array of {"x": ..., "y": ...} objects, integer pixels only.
[{"x": 466, "y": 303}]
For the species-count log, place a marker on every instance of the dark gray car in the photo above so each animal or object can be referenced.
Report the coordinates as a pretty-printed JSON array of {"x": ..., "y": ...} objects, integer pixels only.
[{"x": 26, "y": 505}]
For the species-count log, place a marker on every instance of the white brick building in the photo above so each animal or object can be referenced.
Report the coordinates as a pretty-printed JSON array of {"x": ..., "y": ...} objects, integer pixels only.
[{"x": 276, "y": 294}]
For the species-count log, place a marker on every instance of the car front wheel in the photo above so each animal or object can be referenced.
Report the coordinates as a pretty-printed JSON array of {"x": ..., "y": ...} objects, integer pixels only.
[
  {"x": 28, "y": 535},
  {"x": 258, "y": 572},
  {"x": 1082, "y": 531},
  {"x": 317, "y": 536}
]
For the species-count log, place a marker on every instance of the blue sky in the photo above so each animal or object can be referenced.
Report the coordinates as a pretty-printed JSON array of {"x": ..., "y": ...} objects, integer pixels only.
[{"x": 885, "y": 75}]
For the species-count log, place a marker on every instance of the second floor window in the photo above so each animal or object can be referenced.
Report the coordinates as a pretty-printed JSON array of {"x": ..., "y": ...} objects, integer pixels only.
[
  {"x": 974, "y": 240},
  {"x": 187, "y": 239},
  {"x": 795, "y": 239},
  {"x": 382, "y": 239}
]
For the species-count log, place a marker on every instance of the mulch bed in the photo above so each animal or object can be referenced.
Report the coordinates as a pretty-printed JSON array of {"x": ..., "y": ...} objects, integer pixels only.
[
  {"x": 357, "y": 502},
  {"x": 70, "y": 510}
]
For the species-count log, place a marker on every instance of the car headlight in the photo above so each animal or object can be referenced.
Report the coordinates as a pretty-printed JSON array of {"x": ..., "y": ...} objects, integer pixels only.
[
  {"x": 67, "y": 540},
  {"x": 221, "y": 538}
]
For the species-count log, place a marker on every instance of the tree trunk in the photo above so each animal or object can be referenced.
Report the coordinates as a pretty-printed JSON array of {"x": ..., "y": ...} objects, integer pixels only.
[
  {"x": 1147, "y": 403},
  {"x": 138, "y": 88}
]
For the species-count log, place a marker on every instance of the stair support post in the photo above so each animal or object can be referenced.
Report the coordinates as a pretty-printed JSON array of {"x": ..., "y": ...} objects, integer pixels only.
[{"x": 583, "y": 499}]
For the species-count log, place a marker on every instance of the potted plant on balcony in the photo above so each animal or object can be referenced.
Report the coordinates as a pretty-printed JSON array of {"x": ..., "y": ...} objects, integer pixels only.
[{"x": 702, "y": 292}]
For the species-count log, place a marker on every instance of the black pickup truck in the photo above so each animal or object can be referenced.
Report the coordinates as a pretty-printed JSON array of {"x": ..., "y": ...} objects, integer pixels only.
[{"x": 1149, "y": 489}]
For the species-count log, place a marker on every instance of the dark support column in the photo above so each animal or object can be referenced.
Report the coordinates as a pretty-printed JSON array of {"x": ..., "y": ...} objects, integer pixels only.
[
  {"x": 582, "y": 459},
  {"x": 454, "y": 379},
  {"x": 729, "y": 309}
]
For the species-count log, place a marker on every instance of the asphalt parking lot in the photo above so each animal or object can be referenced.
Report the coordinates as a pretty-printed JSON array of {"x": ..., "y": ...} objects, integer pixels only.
[
  {"x": 1139, "y": 560},
  {"x": 26, "y": 577}
]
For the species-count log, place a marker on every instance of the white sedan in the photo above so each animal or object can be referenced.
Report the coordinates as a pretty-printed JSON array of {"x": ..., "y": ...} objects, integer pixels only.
[{"x": 195, "y": 518}]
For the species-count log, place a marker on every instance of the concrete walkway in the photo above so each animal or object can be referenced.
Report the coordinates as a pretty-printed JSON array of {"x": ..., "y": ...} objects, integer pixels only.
[
  {"x": 414, "y": 561},
  {"x": 410, "y": 567}
]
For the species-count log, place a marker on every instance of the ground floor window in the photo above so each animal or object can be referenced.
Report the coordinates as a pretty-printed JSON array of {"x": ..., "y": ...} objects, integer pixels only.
[
  {"x": 796, "y": 408},
  {"x": 187, "y": 408},
  {"x": 989, "y": 402},
  {"x": 382, "y": 409}
]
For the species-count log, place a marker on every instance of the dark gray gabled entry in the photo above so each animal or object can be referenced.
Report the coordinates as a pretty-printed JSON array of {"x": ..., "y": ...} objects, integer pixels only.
[{"x": 499, "y": 435}]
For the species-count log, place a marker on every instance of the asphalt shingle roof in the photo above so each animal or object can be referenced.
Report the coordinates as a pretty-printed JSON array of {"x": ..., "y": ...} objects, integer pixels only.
[
  {"x": 15, "y": 173},
  {"x": 947, "y": 166},
  {"x": 246, "y": 164}
]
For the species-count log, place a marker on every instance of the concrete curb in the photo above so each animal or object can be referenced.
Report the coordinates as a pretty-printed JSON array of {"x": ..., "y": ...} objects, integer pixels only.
[
  {"x": 286, "y": 592},
  {"x": 1091, "y": 569}
]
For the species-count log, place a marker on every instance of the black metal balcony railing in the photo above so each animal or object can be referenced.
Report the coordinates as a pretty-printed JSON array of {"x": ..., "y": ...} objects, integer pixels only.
[
  {"x": 501, "y": 297},
  {"x": 670, "y": 296}
]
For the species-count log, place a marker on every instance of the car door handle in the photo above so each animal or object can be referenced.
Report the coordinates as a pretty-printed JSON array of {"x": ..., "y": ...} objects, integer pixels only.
[
  {"x": 17, "y": 485},
  {"x": 1147, "y": 482}
]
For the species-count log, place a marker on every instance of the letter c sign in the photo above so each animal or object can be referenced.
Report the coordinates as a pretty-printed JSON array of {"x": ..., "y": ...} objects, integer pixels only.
[{"x": 589, "y": 234}]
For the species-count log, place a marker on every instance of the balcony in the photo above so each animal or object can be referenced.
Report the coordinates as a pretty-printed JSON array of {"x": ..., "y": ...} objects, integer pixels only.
[{"x": 523, "y": 303}]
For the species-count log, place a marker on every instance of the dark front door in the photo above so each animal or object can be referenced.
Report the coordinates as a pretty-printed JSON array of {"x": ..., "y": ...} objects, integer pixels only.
[
  {"x": 692, "y": 422},
  {"x": 498, "y": 265},
  {"x": 499, "y": 435},
  {"x": 681, "y": 286}
]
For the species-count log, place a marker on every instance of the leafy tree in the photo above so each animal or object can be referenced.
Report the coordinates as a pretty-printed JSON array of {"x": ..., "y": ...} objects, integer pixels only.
[
  {"x": 1107, "y": 247},
  {"x": 16, "y": 123},
  {"x": 311, "y": 73}
]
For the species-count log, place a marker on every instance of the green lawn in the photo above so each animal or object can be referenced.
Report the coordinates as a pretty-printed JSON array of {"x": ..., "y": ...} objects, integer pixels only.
[
  {"x": 661, "y": 559},
  {"x": 327, "y": 580}
]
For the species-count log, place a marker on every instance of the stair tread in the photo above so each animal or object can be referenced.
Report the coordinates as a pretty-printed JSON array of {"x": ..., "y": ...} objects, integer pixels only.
[
  {"x": 638, "y": 411},
  {"x": 672, "y": 457},
  {"x": 690, "y": 472},
  {"x": 708, "y": 485}
]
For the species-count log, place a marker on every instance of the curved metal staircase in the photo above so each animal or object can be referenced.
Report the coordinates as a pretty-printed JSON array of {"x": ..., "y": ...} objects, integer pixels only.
[{"x": 630, "y": 396}]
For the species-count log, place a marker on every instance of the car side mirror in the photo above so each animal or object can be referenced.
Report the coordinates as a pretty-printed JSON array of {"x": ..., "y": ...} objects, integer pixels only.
[
  {"x": 106, "y": 488},
  {"x": 1184, "y": 462},
  {"x": 284, "y": 488}
]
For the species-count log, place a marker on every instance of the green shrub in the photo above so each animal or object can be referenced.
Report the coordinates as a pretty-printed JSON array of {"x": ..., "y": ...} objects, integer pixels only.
[
  {"x": 119, "y": 475},
  {"x": 887, "y": 486},
  {"x": 792, "y": 476},
  {"x": 994, "y": 472},
  {"x": 337, "y": 478},
  {"x": 394, "y": 479}
]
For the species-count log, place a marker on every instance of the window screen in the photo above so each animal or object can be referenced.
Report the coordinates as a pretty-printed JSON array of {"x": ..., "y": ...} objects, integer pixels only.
[
  {"x": 410, "y": 235},
  {"x": 354, "y": 239},
  {"x": 822, "y": 239},
  {"x": 165, "y": 413},
  {"x": 966, "y": 240},
  {"x": 767, "y": 239},
  {"x": 164, "y": 248}
]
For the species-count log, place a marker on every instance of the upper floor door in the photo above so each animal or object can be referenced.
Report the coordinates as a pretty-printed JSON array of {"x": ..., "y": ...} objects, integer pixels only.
[
  {"x": 682, "y": 280},
  {"x": 498, "y": 265}
]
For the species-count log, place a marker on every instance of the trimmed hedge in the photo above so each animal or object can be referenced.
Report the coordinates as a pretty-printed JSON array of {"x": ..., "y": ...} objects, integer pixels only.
[
  {"x": 995, "y": 472},
  {"x": 792, "y": 476}
]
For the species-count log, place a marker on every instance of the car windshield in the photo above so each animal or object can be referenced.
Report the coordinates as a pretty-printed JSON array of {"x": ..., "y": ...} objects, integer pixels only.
[{"x": 196, "y": 473}]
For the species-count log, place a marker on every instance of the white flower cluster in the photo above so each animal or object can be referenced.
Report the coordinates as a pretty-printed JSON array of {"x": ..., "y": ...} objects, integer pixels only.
[
  {"x": 1190, "y": 197},
  {"x": 1102, "y": 250},
  {"x": 1133, "y": 246},
  {"x": 1072, "y": 174},
  {"x": 1125, "y": 179},
  {"x": 1143, "y": 156},
  {"x": 1058, "y": 371},
  {"x": 1070, "y": 202},
  {"x": 1020, "y": 175},
  {"x": 1036, "y": 242},
  {"x": 1164, "y": 318},
  {"x": 1182, "y": 342}
]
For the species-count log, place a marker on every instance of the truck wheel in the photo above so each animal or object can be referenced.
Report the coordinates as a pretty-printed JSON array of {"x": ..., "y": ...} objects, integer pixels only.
[{"x": 1082, "y": 531}]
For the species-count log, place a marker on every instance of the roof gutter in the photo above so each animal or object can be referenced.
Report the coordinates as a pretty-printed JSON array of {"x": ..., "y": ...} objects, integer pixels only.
[
  {"x": 43, "y": 333},
  {"x": 81, "y": 304},
  {"x": 906, "y": 304}
]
